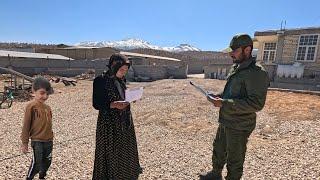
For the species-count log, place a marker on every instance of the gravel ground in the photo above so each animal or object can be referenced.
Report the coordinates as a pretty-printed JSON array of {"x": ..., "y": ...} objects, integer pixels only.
[{"x": 175, "y": 127}]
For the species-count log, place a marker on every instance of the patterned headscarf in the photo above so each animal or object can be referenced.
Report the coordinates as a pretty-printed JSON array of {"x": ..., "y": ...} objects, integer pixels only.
[{"x": 116, "y": 61}]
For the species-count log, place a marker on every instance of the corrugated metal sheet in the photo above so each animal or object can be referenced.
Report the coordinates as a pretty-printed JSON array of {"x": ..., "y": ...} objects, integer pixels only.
[
  {"x": 32, "y": 55},
  {"x": 148, "y": 56}
]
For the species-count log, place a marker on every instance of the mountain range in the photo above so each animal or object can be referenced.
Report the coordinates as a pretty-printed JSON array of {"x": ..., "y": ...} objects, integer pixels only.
[{"x": 130, "y": 44}]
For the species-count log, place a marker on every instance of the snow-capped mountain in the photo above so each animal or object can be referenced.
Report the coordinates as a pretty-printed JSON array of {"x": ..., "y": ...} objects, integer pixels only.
[{"x": 129, "y": 44}]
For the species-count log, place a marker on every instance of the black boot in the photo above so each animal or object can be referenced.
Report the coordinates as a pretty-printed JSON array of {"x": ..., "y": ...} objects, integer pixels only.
[{"x": 211, "y": 176}]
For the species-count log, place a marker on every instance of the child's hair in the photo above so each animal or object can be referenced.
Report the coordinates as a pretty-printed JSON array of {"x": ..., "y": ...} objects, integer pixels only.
[{"x": 42, "y": 83}]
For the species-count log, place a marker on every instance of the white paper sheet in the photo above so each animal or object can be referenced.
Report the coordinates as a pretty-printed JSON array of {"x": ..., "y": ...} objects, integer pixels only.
[{"x": 134, "y": 94}]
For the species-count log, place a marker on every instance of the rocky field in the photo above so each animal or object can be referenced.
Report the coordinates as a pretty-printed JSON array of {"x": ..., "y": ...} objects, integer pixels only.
[{"x": 175, "y": 127}]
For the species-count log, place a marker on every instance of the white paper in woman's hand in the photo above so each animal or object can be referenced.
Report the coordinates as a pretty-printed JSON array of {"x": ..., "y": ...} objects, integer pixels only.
[{"x": 134, "y": 94}]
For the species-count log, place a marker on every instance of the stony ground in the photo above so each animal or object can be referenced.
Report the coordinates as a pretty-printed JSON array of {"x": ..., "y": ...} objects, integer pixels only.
[{"x": 175, "y": 126}]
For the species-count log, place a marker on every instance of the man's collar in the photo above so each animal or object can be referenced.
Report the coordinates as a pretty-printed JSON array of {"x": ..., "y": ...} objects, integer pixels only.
[{"x": 245, "y": 64}]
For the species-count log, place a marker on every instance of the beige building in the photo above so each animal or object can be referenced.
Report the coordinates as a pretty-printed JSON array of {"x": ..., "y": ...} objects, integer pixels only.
[
  {"x": 291, "y": 56},
  {"x": 286, "y": 47}
]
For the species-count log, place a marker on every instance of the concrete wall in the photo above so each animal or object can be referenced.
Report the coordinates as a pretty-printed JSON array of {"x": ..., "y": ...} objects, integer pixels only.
[
  {"x": 177, "y": 72},
  {"x": 196, "y": 66},
  {"x": 154, "y": 72},
  {"x": 81, "y": 53},
  {"x": 271, "y": 69},
  {"x": 31, "y": 66},
  {"x": 139, "y": 61},
  {"x": 217, "y": 71},
  {"x": 308, "y": 87},
  {"x": 159, "y": 68},
  {"x": 69, "y": 68},
  {"x": 154, "y": 62},
  {"x": 160, "y": 72},
  {"x": 70, "y": 72},
  {"x": 83, "y": 64},
  {"x": 22, "y": 62},
  {"x": 4, "y": 62},
  {"x": 300, "y": 84}
]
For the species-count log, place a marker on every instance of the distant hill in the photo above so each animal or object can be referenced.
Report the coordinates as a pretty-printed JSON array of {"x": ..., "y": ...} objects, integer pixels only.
[{"x": 16, "y": 45}]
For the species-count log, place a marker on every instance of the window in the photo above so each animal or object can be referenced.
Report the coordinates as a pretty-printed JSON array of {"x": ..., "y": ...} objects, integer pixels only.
[
  {"x": 269, "y": 52},
  {"x": 307, "y": 48}
]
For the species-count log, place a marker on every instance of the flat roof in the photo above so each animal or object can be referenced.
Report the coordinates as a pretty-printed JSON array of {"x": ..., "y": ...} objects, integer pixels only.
[
  {"x": 293, "y": 31},
  {"x": 4, "y": 53},
  {"x": 148, "y": 56}
]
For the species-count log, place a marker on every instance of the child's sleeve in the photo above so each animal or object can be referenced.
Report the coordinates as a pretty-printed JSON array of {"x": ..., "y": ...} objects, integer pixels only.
[{"x": 26, "y": 125}]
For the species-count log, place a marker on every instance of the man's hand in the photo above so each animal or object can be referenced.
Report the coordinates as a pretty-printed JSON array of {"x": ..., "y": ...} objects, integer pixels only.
[
  {"x": 210, "y": 93},
  {"x": 119, "y": 105},
  {"x": 217, "y": 101},
  {"x": 24, "y": 148}
]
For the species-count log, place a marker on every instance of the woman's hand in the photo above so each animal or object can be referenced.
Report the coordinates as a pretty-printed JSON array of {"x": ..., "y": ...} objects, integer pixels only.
[{"x": 119, "y": 105}]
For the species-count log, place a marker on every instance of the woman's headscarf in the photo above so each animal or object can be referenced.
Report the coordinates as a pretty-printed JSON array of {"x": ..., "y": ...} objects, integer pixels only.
[{"x": 116, "y": 61}]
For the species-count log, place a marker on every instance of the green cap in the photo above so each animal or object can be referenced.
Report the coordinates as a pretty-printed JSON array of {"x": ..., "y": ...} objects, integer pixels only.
[{"x": 239, "y": 40}]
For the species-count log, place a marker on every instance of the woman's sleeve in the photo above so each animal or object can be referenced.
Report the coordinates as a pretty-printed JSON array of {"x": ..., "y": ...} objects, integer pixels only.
[{"x": 100, "y": 99}]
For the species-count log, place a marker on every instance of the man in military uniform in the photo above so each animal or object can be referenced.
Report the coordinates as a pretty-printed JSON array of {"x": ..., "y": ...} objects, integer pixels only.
[{"x": 244, "y": 95}]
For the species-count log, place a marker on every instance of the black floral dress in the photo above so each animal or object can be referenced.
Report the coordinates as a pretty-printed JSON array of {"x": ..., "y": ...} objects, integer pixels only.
[{"x": 116, "y": 154}]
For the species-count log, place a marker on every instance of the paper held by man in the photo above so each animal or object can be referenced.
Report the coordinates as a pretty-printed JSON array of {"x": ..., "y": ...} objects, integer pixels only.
[
  {"x": 133, "y": 94},
  {"x": 203, "y": 91}
]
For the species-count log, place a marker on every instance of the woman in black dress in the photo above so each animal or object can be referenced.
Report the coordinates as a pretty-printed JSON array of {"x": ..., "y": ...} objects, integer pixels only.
[{"x": 116, "y": 154}]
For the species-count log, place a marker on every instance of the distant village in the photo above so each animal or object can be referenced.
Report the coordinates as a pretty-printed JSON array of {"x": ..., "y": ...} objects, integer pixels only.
[{"x": 290, "y": 56}]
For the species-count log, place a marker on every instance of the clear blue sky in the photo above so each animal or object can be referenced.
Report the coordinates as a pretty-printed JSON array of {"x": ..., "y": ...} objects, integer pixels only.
[{"x": 206, "y": 24}]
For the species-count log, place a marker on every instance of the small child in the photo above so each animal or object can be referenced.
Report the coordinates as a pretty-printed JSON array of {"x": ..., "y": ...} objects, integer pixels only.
[{"x": 37, "y": 125}]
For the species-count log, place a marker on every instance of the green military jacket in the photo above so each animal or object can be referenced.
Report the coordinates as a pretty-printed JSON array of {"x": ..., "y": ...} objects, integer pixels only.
[{"x": 243, "y": 95}]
